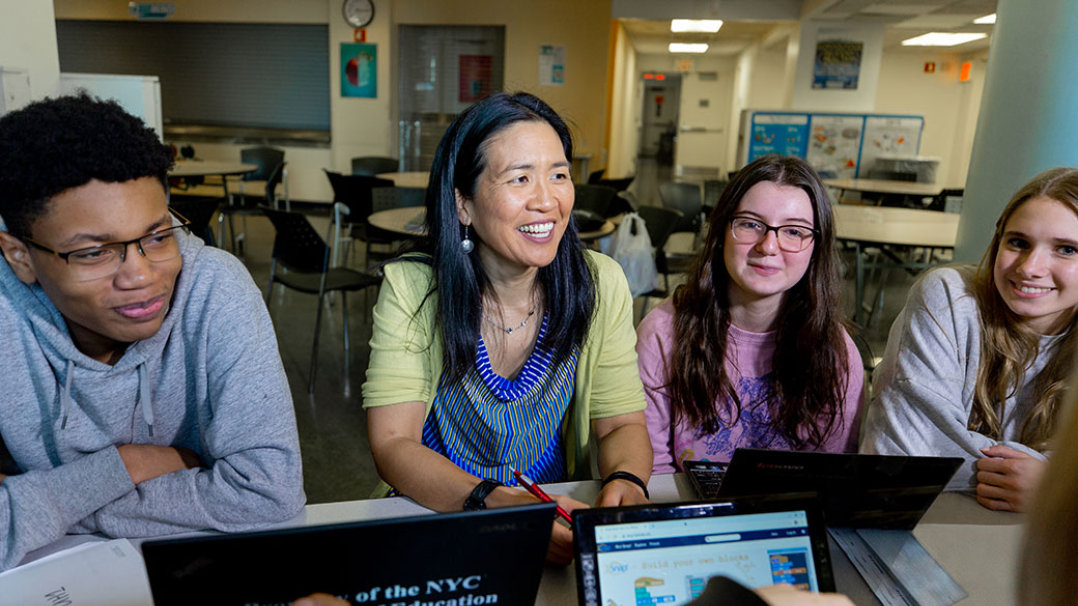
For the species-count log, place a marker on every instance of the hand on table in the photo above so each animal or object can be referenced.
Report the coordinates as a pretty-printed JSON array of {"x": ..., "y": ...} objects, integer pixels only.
[
  {"x": 788, "y": 595},
  {"x": 147, "y": 461},
  {"x": 620, "y": 492},
  {"x": 561, "y": 538},
  {"x": 1006, "y": 478},
  {"x": 320, "y": 599}
]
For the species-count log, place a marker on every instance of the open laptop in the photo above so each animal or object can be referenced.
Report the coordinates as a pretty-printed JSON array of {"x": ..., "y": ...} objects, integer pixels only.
[
  {"x": 857, "y": 490},
  {"x": 665, "y": 554},
  {"x": 489, "y": 556}
]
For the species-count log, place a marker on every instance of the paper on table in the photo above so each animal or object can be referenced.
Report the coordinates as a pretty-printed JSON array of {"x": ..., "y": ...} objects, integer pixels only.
[
  {"x": 897, "y": 568},
  {"x": 109, "y": 573}
]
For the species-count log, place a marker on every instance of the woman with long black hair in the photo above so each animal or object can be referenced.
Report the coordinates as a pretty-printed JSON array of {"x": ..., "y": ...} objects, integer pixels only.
[{"x": 505, "y": 345}]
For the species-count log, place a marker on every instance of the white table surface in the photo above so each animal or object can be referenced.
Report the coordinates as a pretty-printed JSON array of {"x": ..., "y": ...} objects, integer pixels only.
[
  {"x": 201, "y": 168},
  {"x": 978, "y": 548},
  {"x": 897, "y": 226},
  {"x": 407, "y": 179},
  {"x": 884, "y": 186}
]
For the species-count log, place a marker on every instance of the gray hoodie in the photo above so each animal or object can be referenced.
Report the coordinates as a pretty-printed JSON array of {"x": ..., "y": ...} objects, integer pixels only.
[
  {"x": 210, "y": 380},
  {"x": 924, "y": 385}
]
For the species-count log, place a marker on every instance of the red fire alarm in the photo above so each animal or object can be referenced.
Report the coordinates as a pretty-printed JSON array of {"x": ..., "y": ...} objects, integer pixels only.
[
  {"x": 930, "y": 67},
  {"x": 964, "y": 72}
]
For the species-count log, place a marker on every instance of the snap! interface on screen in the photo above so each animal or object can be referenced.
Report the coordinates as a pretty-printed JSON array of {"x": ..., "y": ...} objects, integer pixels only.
[{"x": 670, "y": 561}]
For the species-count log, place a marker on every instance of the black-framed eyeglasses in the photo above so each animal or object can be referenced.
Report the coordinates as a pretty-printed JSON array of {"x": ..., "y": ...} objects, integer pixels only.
[
  {"x": 104, "y": 260},
  {"x": 791, "y": 238}
]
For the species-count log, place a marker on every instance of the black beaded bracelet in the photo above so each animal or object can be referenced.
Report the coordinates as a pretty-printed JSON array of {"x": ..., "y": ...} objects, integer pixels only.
[
  {"x": 631, "y": 477},
  {"x": 478, "y": 499}
]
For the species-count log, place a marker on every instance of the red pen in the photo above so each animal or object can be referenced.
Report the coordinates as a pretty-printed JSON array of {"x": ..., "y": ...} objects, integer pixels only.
[{"x": 533, "y": 488}]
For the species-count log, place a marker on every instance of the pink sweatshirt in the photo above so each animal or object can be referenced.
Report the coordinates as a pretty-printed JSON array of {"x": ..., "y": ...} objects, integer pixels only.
[{"x": 748, "y": 365}]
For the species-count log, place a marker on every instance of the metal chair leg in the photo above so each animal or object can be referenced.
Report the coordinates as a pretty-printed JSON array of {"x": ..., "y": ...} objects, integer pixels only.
[{"x": 314, "y": 348}]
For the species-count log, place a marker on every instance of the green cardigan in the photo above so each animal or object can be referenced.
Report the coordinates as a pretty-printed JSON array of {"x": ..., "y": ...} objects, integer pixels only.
[{"x": 406, "y": 354}]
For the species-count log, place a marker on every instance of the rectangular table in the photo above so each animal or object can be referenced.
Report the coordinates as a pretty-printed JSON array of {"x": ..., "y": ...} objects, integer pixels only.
[
  {"x": 888, "y": 227},
  {"x": 978, "y": 547}
]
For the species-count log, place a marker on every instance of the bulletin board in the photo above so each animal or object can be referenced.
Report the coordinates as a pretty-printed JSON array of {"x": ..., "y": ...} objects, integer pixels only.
[{"x": 837, "y": 145}]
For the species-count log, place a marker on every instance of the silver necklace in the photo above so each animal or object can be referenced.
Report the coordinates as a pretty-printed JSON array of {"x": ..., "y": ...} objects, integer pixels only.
[{"x": 509, "y": 329}]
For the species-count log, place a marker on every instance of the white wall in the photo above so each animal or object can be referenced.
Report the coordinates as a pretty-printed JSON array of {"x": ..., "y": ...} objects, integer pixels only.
[
  {"x": 28, "y": 41},
  {"x": 949, "y": 107},
  {"x": 861, "y": 99}
]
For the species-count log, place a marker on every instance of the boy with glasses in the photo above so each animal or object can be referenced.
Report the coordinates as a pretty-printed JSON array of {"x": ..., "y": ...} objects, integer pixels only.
[{"x": 143, "y": 391}]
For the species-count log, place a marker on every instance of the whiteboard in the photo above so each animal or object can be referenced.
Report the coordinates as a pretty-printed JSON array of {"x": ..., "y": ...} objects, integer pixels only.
[{"x": 139, "y": 95}]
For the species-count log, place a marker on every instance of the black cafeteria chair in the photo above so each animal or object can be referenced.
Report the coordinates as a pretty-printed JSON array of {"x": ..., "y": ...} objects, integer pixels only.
[
  {"x": 268, "y": 159},
  {"x": 299, "y": 249},
  {"x": 374, "y": 165},
  {"x": 684, "y": 197},
  {"x": 660, "y": 223},
  {"x": 354, "y": 192},
  {"x": 199, "y": 210},
  {"x": 594, "y": 198}
]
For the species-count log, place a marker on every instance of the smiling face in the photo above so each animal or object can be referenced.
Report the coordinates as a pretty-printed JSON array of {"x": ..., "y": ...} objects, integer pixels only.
[
  {"x": 1036, "y": 268},
  {"x": 523, "y": 200},
  {"x": 761, "y": 273},
  {"x": 106, "y": 314}
]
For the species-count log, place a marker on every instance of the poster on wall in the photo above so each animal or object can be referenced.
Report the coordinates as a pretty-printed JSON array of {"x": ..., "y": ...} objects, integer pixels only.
[
  {"x": 359, "y": 70},
  {"x": 777, "y": 133},
  {"x": 835, "y": 144},
  {"x": 552, "y": 65},
  {"x": 837, "y": 64},
  {"x": 890, "y": 136},
  {"x": 474, "y": 77}
]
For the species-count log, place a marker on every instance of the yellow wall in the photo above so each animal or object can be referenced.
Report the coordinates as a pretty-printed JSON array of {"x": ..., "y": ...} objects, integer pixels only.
[{"x": 583, "y": 26}]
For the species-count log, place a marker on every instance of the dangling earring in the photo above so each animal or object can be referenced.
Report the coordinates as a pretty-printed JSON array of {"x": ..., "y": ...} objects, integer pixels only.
[{"x": 466, "y": 244}]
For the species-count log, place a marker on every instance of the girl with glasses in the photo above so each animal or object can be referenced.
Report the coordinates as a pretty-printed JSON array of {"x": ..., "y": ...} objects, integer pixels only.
[
  {"x": 976, "y": 363},
  {"x": 751, "y": 351}
]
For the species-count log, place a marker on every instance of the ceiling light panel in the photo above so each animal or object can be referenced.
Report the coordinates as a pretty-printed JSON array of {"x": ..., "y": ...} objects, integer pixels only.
[
  {"x": 942, "y": 39},
  {"x": 683, "y": 47},
  {"x": 707, "y": 26}
]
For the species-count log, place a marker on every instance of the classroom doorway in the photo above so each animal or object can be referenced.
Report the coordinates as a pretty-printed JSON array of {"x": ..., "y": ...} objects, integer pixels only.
[
  {"x": 659, "y": 117},
  {"x": 441, "y": 70}
]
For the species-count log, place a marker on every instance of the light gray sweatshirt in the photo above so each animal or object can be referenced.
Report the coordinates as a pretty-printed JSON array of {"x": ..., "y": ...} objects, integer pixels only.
[
  {"x": 924, "y": 386},
  {"x": 210, "y": 380}
]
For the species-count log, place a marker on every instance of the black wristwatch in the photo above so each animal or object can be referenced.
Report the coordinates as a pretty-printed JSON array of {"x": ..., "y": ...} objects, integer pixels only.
[{"x": 478, "y": 499}]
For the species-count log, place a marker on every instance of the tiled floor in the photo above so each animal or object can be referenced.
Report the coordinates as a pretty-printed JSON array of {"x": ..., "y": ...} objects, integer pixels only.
[{"x": 332, "y": 425}]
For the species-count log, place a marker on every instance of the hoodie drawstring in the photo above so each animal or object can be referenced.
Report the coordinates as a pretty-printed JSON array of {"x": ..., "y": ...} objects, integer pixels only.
[
  {"x": 65, "y": 394},
  {"x": 144, "y": 398}
]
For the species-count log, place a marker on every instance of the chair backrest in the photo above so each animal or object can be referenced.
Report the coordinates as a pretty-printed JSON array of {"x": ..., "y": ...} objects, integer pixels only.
[
  {"x": 685, "y": 197},
  {"x": 267, "y": 158},
  {"x": 274, "y": 179},
  {"x": 596, "y": 198},
  {"x": 713, "y": 189},
  {"x": 373, "y": 165},
  {"x": 199, "y": 211},
  {"x": 660, "y": 223},
  {"x": 596, "y": 176},
  {"x": 386, "y": 198},
  {"x": 619, "y": 185},
  {"x": 298, "y": 247},
  {"x": 354, "y": 191}
]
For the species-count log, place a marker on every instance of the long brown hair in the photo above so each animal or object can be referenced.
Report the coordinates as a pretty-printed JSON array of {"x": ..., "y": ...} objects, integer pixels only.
[
  {"x": 811, "y": 355},
  {"x": 1009, "y": 347},
  {"x": 1050, "y": 545}
]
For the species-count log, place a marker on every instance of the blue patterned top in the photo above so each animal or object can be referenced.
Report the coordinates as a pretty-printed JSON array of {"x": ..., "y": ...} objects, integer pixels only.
[{"x": 489, "y": 425}]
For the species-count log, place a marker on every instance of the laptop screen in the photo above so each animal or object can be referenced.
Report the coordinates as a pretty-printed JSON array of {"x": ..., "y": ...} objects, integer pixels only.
[
  {"x": 666, "y": 554},
  {"x": 858, "y": 490},
  {"x": 476, "y": 557}
]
